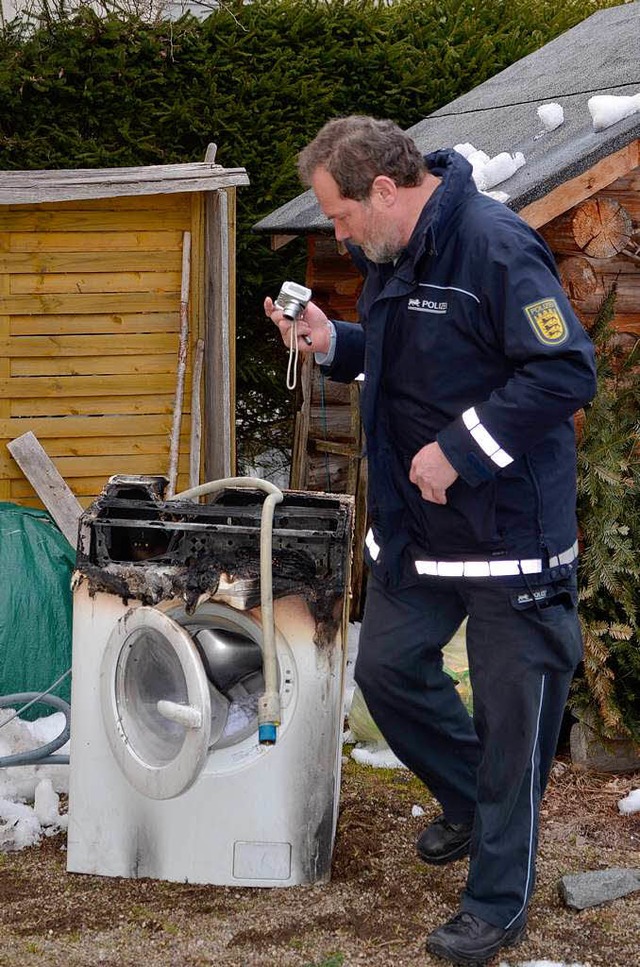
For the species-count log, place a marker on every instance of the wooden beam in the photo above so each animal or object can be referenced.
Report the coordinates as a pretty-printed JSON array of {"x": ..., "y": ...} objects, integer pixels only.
[
  {"x": 352, "y": 450},
  {"x": 572, "y": 192},
  {"x": 279, "y": 241},
  {"x": 5, "y": 370},
  {"x": 26, "y": 187},
  {"x": 47, "y": 483},
  {"x": 174, "y": 439},
  {"x": 219, "y": 398},
  {"x": 195, "y": 444}
]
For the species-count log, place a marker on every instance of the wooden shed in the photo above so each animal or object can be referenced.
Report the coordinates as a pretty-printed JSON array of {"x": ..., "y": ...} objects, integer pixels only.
[
  {"x": 101, "y": 272},
  {"x": 579, "y": 187}
]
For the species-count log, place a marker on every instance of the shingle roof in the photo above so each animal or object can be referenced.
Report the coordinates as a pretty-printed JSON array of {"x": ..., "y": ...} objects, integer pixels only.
[{"x": 601, "y": 55}]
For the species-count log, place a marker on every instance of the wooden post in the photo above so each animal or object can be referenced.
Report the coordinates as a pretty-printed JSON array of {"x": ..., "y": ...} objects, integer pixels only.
[
  {"x": 174, "y": 449},
  {"x": 219, "y": 355},
  {"x": 196, "y": 416},
  {"x": 5, "y": 363},
  {"x": 43, "y": 476}
]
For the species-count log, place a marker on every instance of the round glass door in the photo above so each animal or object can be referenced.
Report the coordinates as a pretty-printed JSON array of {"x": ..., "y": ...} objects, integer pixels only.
[{"x": 160, "y": 711}]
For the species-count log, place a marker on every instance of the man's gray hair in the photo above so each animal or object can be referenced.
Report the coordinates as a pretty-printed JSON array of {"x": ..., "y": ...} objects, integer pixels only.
[{"x": 355, "y": 150}]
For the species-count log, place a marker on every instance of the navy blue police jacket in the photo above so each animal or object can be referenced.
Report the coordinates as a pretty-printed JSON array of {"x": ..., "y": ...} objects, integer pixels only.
[{"x": 469, "y": 339}]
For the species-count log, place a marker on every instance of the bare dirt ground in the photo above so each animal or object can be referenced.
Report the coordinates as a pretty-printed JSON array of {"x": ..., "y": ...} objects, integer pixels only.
[{"x": 377, "y": 910}]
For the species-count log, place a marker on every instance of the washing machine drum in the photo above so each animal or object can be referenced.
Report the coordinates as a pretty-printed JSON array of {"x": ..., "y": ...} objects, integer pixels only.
[
  {"x": 170, "y": 694},
  {"x": 233, "y": 664}
]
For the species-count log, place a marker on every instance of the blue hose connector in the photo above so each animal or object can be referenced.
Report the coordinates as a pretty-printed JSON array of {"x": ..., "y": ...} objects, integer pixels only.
[{"x": 267, "y": 733}]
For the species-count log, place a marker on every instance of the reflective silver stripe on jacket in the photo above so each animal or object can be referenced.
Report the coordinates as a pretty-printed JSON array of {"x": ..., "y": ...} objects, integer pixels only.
[
  {"x": 566, "y": 557},
  {"x": 497, "y": 568},
  {"x": 484, "y": 439},
  {"x": 480, "y": 569},
  {"x": 374, "y": 549}
]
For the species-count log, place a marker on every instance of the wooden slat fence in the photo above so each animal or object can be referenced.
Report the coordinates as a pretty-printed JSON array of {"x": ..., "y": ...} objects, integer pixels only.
[{"x": 89, "y": 319}]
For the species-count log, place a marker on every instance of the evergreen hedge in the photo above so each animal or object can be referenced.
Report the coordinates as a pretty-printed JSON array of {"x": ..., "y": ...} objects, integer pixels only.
[
  {"x": 258, "y": 79},
  {"x": 609, "y": 517}
]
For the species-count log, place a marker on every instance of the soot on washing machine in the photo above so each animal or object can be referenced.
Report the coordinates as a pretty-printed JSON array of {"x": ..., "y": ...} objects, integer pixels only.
[{"x": 168, "y": 778}]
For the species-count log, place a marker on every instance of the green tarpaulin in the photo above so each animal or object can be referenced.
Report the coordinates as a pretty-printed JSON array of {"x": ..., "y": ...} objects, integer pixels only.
[{"x": 36, "y": 562}]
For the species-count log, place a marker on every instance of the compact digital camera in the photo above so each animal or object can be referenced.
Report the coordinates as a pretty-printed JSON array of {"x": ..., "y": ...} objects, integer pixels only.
[{"x": 292, "y": 300}]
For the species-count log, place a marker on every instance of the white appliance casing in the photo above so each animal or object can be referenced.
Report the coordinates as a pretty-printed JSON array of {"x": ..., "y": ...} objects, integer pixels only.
[{"x": 255, "y": 815}]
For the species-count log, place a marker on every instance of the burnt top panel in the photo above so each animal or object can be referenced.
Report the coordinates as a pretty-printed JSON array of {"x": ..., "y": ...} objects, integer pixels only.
[
  {"x": 136, "y": 545},
  {"x": 131, "y": 527},
  {"x": 137, "y": 505}
]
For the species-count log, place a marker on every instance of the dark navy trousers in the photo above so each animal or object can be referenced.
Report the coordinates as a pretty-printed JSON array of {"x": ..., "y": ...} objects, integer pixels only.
[{"x": 491, "y": 769}]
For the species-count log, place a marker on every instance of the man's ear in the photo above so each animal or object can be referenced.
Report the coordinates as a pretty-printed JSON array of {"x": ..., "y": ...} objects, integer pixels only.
[{"x": 384, "y": 191}]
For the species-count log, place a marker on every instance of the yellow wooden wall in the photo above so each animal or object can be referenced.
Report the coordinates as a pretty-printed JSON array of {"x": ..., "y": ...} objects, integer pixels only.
[{"x": 89, "y": 323}]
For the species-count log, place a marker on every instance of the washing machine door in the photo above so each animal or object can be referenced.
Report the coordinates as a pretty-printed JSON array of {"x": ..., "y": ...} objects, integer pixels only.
[{"x": 158, "y": 707}]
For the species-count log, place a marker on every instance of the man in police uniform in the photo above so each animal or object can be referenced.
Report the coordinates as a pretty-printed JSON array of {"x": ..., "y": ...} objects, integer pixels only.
[{"x": 474, "y": 363}]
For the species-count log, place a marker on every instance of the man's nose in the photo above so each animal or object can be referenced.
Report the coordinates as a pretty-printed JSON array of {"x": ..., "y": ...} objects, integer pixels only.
[{"x": 340, "y": 233}]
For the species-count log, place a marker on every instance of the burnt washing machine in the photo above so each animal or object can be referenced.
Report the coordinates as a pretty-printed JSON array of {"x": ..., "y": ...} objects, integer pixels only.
[{"x": 173, "y": 774}]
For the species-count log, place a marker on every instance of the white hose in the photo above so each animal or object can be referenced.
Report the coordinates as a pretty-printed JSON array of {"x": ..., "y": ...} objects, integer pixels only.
[
  {"x": 269, "y": 704},
  {"x": 186, "y": 715}
]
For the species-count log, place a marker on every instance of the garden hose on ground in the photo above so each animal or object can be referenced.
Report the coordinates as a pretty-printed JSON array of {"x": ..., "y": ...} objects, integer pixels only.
[{"x": 42, "y": 755}]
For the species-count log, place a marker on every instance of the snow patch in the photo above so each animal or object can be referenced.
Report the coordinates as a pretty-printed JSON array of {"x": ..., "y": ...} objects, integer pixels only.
[
  {"x": 551, "y": 115},
  {"x": 376, "y": 754},
  {"x": 23, "y": 824},
  {"x": 353, "y": 637},
  {"x": 608, "y": 109},
  {"x": 489, "y": 172},
  {"x": 630, "y": 804},
  {"x": 498, "y": 195}
]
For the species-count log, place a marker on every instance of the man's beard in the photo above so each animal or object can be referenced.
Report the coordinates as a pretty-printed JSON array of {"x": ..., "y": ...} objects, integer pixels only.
[
  {"x": 380, "y": 252},
  {"x": 384, "y": 246}
]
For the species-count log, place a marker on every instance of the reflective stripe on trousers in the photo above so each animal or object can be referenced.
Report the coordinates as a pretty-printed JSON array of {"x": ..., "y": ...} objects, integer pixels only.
[{"x": 479, "y": 569}]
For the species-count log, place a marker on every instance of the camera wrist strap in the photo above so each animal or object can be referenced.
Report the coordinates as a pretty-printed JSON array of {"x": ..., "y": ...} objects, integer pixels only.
[{"x": 292, "y": 365}]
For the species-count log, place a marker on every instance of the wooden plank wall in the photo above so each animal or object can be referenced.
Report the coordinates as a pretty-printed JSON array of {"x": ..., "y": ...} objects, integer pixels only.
[
  {"x": 333, "y": 422},
  {"x": 89, "y": 321},
  {"x": 328, "y": 442}
]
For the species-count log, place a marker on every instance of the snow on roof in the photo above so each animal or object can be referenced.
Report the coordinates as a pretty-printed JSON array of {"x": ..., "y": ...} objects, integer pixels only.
[{"x": 598, "y": 56}]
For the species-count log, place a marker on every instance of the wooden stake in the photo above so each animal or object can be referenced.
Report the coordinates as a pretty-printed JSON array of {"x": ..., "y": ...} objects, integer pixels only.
[
  {"x": 174, "y": 447},
  {"x": 43, "y": 476},
  {"x": 196, "y": 416}
]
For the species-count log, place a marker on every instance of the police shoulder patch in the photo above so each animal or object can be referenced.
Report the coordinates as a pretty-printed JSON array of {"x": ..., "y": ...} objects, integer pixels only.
[{"x": 547, "y": 322}]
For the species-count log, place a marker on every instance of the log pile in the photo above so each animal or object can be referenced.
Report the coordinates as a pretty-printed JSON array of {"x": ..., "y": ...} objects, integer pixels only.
[{"x": 597, "y": 243}]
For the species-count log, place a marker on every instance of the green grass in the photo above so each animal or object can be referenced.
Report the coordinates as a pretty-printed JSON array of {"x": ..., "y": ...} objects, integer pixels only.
[{"x": 333, "y": 960}]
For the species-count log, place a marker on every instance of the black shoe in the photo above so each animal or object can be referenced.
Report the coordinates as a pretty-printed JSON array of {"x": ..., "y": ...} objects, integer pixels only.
[
  {"x": 468, "y": 940},
  {"x": 442, "y": 842}
]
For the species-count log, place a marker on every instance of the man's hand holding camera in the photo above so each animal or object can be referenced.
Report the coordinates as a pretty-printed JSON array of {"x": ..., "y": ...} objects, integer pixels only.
[{"x": 313, "y": 330}]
